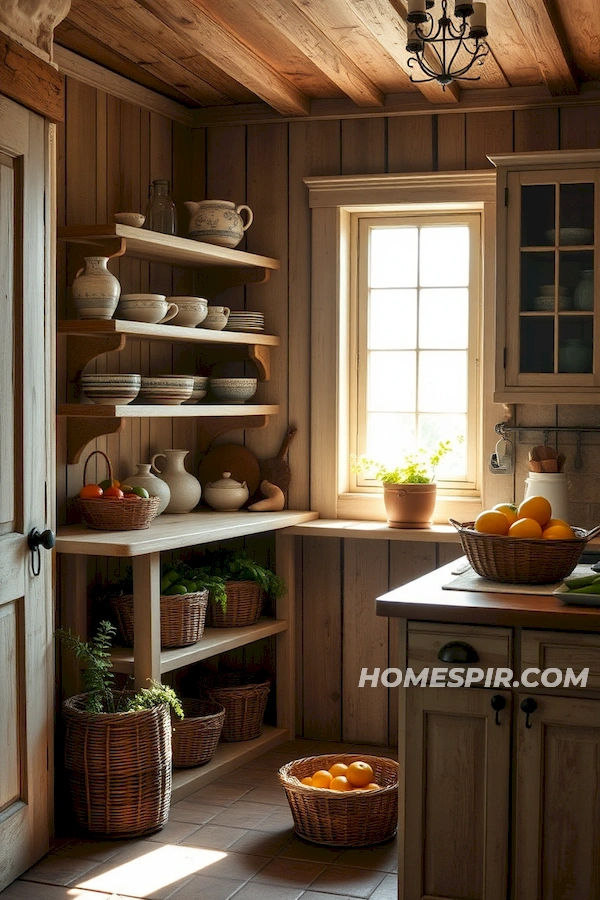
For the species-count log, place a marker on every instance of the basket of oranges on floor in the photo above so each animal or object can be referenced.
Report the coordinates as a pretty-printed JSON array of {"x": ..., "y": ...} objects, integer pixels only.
[
  {"x": 110, "y": 506},
  {"x": 522, "y": 544},
  {"x": 342, "y": 800}
]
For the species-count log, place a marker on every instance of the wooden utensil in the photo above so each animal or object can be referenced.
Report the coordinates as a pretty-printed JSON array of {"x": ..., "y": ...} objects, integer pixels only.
[
  {"x": 233, "y": 458},
  {"x": 276, "y": 470}
]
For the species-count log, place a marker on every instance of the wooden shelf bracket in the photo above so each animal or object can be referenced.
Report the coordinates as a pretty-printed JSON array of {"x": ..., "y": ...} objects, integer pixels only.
[
  {"x": 82, "y": 350},
  {"x": 81, "y": 431},
  {"x": 212, "y": 428}
]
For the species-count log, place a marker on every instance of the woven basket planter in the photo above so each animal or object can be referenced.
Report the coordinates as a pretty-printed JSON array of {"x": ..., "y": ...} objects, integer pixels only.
[
  {"x": 115, "y": 514},
  {"x": 342, "y": 819},
  {"x": 182, "y": 618},
  {"x": 195, "y": 738},
  {"x": 244, "y": 603},
  {"x": 244, "y": 702},
  {"x": 118, "y": 768}
]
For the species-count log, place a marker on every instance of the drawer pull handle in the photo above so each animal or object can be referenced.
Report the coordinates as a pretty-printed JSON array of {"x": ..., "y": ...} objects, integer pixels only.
[
  {"x": 528, "y": 706},
  {"x": 458, "y": 652},
  {"x": 498, "y": 703}
]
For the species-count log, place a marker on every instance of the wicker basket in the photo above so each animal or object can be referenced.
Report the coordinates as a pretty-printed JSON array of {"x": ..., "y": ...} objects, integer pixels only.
[
  {"x": 244, "y": 604},
  {"x": 338, "y": 818},
  {"x": 195, "y": 738},
  {"x": 116, "y": 514},
  {"x": 244, "y": 701},
  {"x": 118, "y": 768},
  {"x": 521, "y": 560},
  {"x": 182, "y": 618}
]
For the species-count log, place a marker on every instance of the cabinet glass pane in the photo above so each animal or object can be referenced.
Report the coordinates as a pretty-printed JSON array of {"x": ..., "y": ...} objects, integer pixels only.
[
  {"x": 575, "y": 344},
  {"x": 537, "y": 344},
  {"x": 537, "y": 280},
  {"x": 538, "y": 211},
  {"x": 576, "y": 214},
  {"x": 576, "y": 277}
]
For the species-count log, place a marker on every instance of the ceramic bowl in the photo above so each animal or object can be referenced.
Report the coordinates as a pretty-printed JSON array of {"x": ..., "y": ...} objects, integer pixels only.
[
  {"x": 111, "y": 389},
  {"x": 200, "y": 389},
  {"x": 192, "y": 311},
  {"x": 543, "y": 303},
  {"x": 151, "y": 309},
  {"x": 570, "y": 236},
  {"x": 233, "y": 390},
  {"x": 168, "y": 390},
  {"x": 136, "y": 220}
]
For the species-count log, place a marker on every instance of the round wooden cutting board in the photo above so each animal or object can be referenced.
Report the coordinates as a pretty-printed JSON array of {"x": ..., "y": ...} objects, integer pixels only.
[{"x": 233, "y": 458}]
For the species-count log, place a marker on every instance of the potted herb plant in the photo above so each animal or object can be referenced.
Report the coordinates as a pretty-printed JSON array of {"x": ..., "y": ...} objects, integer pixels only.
[
  {"x": 409, "y": 489},
  {"x": 117, "y": 745},
  {"x": 245, "y": 582}
]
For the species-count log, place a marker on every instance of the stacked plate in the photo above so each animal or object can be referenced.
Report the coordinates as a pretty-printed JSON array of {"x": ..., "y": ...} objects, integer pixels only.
[
  {"x": 244, "y": 320},
  {"x": 168, "y": 390},
  {"x": 111, "y": 389}
]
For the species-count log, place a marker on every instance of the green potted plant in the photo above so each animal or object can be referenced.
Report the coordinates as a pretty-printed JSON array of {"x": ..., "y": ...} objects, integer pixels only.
[
  {"x": 117, "y": 745},
  {"x": 409, "y": 489},
  {"x": 245, "y": 583}
]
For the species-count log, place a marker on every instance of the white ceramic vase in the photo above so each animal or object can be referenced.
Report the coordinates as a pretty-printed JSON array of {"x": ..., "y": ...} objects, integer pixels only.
[
  {"x": 95, "y": 290},
  {"x": 156, "y": 487},
  {"x": 185, "y": 489}
]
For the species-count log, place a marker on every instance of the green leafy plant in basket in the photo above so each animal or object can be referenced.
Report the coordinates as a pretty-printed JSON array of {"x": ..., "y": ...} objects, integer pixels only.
[{"x": 235, "y": 565}]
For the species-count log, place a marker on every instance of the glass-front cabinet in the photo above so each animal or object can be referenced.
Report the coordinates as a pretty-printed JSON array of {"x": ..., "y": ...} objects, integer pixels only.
[{"x": 548, "y": 288}]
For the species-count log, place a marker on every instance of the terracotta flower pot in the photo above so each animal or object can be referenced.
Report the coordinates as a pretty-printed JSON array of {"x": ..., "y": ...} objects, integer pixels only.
[{"x": 409, "y": 505}]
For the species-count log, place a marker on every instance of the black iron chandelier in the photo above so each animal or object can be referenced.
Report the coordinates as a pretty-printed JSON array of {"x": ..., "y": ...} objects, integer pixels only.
[{"x": 456, "y": 46}]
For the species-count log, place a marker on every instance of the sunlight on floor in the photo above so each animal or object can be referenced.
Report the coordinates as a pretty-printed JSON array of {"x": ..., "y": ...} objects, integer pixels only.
[{"x": 154, "y": 870}]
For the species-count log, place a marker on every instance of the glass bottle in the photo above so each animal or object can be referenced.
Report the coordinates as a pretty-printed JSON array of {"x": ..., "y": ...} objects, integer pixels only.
[{"x": 161, "y": 214}]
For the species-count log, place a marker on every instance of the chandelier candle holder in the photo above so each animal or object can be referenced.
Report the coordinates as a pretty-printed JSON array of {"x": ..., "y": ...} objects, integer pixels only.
[{"x": 456, "y": 45}]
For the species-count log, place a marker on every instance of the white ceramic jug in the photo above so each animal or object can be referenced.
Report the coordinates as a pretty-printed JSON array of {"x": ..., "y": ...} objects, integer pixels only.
[
  {"x": 95, "y": 290},
  {"x": 185, "y": 489},
  {"x": 218, "y": 221},
  {"x": 553, "y": 486}
]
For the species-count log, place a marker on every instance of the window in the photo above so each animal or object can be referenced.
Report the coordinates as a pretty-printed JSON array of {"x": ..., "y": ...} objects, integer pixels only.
[{"x": 416, "y": 314}]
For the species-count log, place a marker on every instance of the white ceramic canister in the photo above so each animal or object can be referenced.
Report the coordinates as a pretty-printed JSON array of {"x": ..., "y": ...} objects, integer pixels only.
[
  {"x": 95, "y": 290},
  {"x": 185, "y": 489},
  {"x": 553, "y": 486},
  {"x": 156, "y": 487}
]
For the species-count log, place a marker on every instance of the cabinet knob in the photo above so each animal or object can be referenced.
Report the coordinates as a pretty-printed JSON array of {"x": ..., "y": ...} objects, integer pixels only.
[
  {"x": 458, "y": 652},
  {"x": 528, "y": 706},
  {"x": 498, "y": 703},
  {"x": 35, "y": 540}
]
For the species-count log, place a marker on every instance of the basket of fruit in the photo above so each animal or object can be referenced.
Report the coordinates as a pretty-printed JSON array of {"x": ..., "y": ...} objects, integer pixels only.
[
  {"x": 109, "y": 506},
  {"x": 195, "y": 737},
  {"x": 244, "y": 699},
  {"x": 522, "y": 545},
  {"x": 342, "y": 800}
]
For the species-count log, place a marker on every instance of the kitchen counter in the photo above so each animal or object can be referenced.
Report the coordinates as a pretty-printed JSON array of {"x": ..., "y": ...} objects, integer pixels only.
[{"x": 425, "y": 600}]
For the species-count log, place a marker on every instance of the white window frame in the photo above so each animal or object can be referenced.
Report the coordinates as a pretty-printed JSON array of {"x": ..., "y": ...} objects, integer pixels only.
[{"x": 333, "y": 200}]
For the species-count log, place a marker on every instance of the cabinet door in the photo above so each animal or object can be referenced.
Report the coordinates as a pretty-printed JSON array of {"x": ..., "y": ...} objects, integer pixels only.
[
  {"x": 551, "y": 273},
  {"x": 457, "y": 769},
  {"x": 557, "y": 830}
]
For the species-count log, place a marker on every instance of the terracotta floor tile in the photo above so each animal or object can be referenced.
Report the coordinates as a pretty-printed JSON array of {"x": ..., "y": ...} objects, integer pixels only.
[
  {"x": 240, "y": 866},
  {"x": 273, "y": 796},
  {"x": 97, "y": 851},
  {"x": 59, "y": 869},
  {"x": 198, "y": 813},
  {"x": 277, "y": 822},
  {"x": 383, "y": 858},
  {"x": 174, "y": 833},
  {"x": 261, "y": 843},
  {"x": 205, "y": 887},
  {"x": 254, "y": 891},
  {"x": 215, "y": 837},
  {"x": 243, "y": 814},
  {"x": 297, "y": 849},
  {"x": 30, "y": 890},
  {"x": 345, "y": 880},
  {"x": 289, "y": 872},
  {"x": 219, "y": 794},
  {"x": 387, "y": 890}
]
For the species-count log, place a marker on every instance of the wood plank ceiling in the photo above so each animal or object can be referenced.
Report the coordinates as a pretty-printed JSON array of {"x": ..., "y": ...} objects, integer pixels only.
[{"x": 286, "y": 56}]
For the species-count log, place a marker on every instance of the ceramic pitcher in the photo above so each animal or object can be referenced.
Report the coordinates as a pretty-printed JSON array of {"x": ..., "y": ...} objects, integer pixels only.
[
  {"x": 218, "y": 221},
  {"x": 96, "y": 291},
  {"x": 185, "y": 489}
]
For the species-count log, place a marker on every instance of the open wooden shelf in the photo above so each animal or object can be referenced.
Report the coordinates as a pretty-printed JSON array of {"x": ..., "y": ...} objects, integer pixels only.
[
  {"x": 228, "y": 756},
  {"x": 213, "y": 641},
  {"x": 148, "y": 332},
  {"x": 154, "y": 411}
]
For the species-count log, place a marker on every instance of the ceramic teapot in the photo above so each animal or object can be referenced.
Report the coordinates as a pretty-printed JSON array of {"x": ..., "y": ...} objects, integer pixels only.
[
  {"x": 226, "y": 494},
  {"x": 218, "y": 221}
]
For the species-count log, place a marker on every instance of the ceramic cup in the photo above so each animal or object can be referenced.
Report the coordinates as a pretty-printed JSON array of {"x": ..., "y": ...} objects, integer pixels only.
[
  {"x": 192, "y": 311},
  {"x": 150, "y": 308},
  {"x": 216, "y": 318}
]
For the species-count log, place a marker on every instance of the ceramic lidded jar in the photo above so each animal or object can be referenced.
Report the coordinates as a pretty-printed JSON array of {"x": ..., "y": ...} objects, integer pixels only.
[
  {"x": 185, "y": 489},
  {"x": 218, "y": 221},
  {"x": 95, "y": 290},
  {"x": 226, "y": 494},
  {"x": 156, "y": 487}
]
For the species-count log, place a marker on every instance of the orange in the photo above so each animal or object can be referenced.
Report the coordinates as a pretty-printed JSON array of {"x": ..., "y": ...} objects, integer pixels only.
[
  {"x": 338, "y": 769},
  {"x": 321, "y": 778},
  {"x": 558, "y": 533},
  {"x": 508, "y": 509},
  {"x": 369, "y": 787},
  {"x": 340, "y": 783},
  {"x": 491, "y": 521},
  {"x": 537, "y": 508},
  {"x": 114, "y": 493},
  {"x": 307, "y": 780},
  {"x": 359, "y": 773},
  {"x": 552, "y": 522},
  {"x": 90, "y": 492},
  {"x": 525, "y": 528}
]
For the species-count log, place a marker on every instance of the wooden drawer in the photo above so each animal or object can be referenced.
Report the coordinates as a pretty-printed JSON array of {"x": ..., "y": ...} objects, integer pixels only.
[
  {"x": 425, "y": 640},
  {"x": 562, "y": 650}
]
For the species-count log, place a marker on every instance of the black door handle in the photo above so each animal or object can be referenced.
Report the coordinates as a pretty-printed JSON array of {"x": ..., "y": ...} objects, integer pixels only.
[
  {"x": 37, "y": 539},
  {"x": 458, "y": 652},
  {"x": 528, "y": 706}
]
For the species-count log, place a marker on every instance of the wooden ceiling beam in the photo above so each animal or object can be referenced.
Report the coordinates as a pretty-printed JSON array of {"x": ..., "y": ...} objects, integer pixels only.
[
  {"x": 224, "y": 50},
  {"x": 540, "y": 33}
]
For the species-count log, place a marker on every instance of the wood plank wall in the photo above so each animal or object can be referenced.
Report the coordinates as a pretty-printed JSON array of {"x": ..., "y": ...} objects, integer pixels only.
[{"x": 110, "y": 151}]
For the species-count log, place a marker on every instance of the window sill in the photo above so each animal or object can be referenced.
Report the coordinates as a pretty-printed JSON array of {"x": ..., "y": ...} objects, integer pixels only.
[
  {"x": 344, "y": 528},
  {"x": 370, "y": 507}
]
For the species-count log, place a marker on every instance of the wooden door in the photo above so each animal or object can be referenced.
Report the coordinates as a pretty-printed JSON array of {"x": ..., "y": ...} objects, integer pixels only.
[
  {"x": 557, "y": 829},
  {"x": 26, "y": 489},
  {"x": 457, "y": 770}
]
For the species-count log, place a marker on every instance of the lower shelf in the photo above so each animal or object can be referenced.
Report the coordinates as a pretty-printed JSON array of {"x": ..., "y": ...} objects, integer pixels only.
[{"x": 227, "y": 758}]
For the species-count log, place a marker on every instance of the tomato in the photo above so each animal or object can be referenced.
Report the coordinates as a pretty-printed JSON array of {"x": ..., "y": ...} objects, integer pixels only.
[
  {"x": 90, "y": 492},
  {"x": 114, "y": 493}
]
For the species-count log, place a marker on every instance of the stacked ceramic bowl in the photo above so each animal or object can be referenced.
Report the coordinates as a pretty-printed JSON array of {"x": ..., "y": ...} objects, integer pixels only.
[
  {"x": 167, "y": 390},
  {"x": 200, "y": 389},
  {"x": 232, "y": 390},
  {"x": 244, "y": 320},
  {"x": 114, "y": 390},
  {"x": 544, "y": 302}
]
